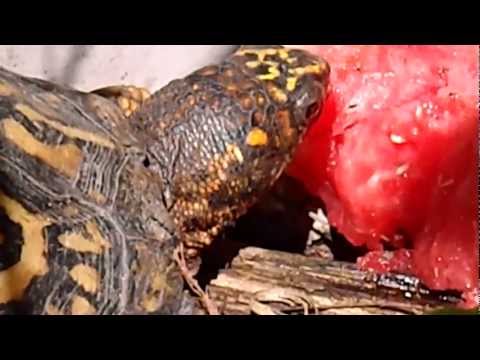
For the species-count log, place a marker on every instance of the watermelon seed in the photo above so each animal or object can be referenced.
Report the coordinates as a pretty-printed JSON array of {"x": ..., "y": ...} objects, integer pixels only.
[
  {"x": 397, "y": 139},
  {"x": 419, "y": 112},
  {"x": 402, "y": 170}
]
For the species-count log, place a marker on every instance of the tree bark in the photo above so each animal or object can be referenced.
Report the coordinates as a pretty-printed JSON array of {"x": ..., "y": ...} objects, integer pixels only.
[{"x": 265, "y": 282}]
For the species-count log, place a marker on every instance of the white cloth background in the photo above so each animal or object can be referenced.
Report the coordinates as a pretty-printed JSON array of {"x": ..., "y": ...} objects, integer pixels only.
[{"x": 87, "y": 67}]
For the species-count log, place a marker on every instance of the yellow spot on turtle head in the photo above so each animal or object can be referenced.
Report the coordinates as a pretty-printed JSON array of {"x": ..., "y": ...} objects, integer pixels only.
[
  {"x": 277, "y": 94},
  {"x": 309, "y": 69},
  {"x": 252, "y": 64},
  {"x": 291, "y": 60},
  {"x": 260, "y": 53},
  {"x": 292, "y": 83},
  {"x": 257, "y": 137},
  {"x": 273, "y": 72},
  {"x": 283, "y": 54},
  {"x": 86, "y": 276}
]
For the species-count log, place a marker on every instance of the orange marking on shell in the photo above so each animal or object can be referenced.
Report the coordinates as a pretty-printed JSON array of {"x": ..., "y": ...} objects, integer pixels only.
[
  {"x": 15, "y": 279},
  {"x": 145, "y": 94},
  {"x": 92, "y": 243},
  {"x": 135, "y": 93},
  {"x": 86, "y": 276},
  {"x": 81, "y": 306},
  {"x": 124, "y": 103},
  {"x": 99, "y": 198},
  {"x": 70, "y": 211},
  {"x": 66, "y": 159},
  {"x": 53, "y": 310},
  {"x": 75, "y": 133},
  {"x": 7, "y": 89}
]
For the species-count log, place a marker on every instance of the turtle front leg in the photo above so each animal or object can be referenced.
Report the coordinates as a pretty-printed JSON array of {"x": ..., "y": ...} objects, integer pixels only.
[{"x": 128, "y": 98}]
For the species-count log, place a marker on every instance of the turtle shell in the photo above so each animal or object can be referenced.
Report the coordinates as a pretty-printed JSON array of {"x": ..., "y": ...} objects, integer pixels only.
[{"x": 83, "y": 228}]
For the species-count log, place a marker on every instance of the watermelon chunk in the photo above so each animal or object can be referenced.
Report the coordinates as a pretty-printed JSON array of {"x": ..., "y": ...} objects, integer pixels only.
[{"x": 395, "y": 158}]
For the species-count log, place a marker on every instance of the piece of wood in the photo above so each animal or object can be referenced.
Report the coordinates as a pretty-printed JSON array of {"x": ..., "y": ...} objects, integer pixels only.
[{"x": 266, "y": 282}]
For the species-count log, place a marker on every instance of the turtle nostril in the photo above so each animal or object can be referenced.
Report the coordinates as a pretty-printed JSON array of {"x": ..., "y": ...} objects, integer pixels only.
[{"x": 146, "y": 162}]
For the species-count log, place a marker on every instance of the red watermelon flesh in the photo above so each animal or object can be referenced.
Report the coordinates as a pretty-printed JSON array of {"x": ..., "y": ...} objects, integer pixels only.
[{"x": 394, "y": 157}]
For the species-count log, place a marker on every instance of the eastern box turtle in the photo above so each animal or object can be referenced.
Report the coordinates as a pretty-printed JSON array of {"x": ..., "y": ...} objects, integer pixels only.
[{"x": 97, "y": 189}]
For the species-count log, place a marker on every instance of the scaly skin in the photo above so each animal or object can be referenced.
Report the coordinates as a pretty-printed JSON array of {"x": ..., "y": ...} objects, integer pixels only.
[{"x": 222, "y": 136}]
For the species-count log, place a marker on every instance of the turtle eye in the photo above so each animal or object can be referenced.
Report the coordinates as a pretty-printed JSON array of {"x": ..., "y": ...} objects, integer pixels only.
[{"x": 313, "y": 110}]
